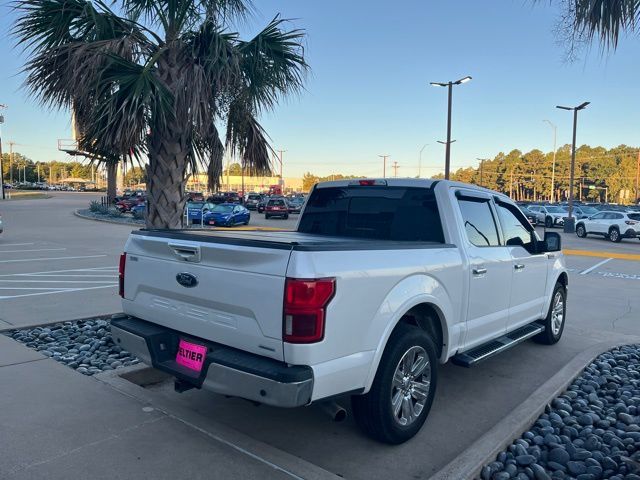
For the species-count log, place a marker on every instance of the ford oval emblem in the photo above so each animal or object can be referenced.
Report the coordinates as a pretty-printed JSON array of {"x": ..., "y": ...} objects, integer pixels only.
[{"x": 187, "y": 280}]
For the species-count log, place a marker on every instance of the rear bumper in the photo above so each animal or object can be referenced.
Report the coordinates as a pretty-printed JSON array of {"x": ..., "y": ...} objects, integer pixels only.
[{"x": 226, "y": 370}]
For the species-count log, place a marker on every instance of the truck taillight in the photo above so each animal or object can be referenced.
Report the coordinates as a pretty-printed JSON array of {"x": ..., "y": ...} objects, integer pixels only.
[
  {"x": 123, "y": 263},
  {"x": 305, "y": 304}
]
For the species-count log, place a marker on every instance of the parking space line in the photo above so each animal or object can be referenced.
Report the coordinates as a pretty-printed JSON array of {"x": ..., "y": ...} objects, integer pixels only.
[
  {"x": 51, "y": 258},
  {"x": 599, "y": 264},
  {"x": 15, "y": 244},
  {"x": 34, "y": 250},
  {"x": 8, "y": 297},
  {"x": 50, "y": 273},
  {"x": 59, "y": 281},
  {"x": 595, "y": 253}
]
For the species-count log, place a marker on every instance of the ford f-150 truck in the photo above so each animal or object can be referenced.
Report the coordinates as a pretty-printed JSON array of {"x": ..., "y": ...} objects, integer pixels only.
[{"x": 381, "y": 280}]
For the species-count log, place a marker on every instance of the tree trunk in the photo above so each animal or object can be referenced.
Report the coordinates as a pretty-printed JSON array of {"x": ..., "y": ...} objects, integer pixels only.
[
  {"x": 166, "y": 180},
  {"x": 112, "y": 177}
]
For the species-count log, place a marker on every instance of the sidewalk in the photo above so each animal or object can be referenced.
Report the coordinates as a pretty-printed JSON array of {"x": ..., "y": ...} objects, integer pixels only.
[{"x": 57, "y": 424}]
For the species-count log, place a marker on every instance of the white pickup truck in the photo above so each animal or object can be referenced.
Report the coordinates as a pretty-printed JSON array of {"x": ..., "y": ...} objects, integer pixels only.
[{"x": 382, "y": 280}]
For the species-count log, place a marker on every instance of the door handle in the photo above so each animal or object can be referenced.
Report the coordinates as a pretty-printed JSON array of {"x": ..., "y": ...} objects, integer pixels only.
[
  {"x": 479, "y": 271},
  {"x": 518, "y": 266}
]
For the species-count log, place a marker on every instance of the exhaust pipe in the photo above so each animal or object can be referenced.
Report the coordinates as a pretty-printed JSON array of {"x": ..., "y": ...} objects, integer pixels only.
[{"x": 335, "y": 411}]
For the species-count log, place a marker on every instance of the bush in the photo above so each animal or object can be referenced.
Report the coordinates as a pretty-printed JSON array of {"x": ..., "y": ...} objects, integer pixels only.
[
  {"x": 95, "y": 206},
  {"x": 114, "y": 212}
]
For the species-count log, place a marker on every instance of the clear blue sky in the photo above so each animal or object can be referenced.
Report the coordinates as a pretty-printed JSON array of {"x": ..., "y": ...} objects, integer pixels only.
[{"x": 368, "y": 91}]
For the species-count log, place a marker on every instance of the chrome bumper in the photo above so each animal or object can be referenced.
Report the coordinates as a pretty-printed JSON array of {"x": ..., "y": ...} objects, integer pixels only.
[{"x": 226, "y": 370}]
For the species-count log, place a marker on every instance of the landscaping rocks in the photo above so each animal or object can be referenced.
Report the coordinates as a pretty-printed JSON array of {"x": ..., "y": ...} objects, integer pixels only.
[
  {"x": 86, "y": 346},
  {"x": 590, "y": 432}
]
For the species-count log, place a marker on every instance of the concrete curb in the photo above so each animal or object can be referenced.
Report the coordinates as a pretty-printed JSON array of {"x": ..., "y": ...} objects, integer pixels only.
[
  {"x": 106, "y": 316},
  {"x": 105, "y": 220},
  {"x": 484, "y": 450},
  {"x": 278, "y": 459}
]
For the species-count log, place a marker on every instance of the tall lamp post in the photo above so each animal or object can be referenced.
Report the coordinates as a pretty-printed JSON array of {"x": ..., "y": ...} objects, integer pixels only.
[
  {"x": 384, "y": 165},
  {"x": 569, "y": 224},
  {"x": 420, "y": 159},
  {"x": 553, "y": 168},
  {"x": 2, "y": 107},
  {"x": 449, "y": 85}
]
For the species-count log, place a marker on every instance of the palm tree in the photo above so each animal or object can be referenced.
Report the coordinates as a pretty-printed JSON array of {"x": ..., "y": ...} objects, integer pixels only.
[
  {"x": 155, "y": 79},
  {"x": 583, "y": 21}
]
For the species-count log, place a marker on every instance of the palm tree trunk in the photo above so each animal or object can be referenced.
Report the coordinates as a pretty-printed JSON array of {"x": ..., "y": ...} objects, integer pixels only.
[
  {"x": 168, "y": 156},
  {"x": 112, "y": 176},
  {"x": 166, "y": 180}
]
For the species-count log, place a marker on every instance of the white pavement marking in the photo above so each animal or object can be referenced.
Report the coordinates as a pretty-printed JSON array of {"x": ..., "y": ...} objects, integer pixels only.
[
  {"x": 7, "y": 297},
  {"x": 15, "y": 244},
  {"x": 34, "y": 250},
  {"x": 60, "y": 281},
  {"x": 52, "y": 258},
  {"x": 47, "y": 272},
  {"x": 591, "y": 269}
]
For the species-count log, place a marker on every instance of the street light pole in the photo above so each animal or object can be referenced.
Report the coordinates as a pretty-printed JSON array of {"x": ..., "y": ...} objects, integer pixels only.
[
  {"x": 553, "y": 168},
  {"x": 384, "y": 165},
  {"x": 569, "y": 224},
  {"x": 447, "y": 155},
  {"x": 420, "y": 160},
  {"x": 2, "y": 107}
]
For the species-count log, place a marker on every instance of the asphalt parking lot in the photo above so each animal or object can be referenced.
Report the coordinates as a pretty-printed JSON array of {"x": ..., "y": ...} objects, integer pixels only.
[{"x": 57, "y": 267}]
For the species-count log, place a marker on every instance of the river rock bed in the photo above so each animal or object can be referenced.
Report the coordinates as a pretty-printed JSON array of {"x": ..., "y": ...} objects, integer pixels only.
[
  {"x": 590, "y": 432},
  {"x": 86, "y": 345}
]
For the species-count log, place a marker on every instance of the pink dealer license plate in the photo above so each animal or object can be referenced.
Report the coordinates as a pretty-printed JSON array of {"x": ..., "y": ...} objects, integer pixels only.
[{"x": 191, "y": 355}]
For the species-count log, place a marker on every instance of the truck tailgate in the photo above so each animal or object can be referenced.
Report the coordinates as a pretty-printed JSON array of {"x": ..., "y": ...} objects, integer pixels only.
[{"x": 237, "y": 298}]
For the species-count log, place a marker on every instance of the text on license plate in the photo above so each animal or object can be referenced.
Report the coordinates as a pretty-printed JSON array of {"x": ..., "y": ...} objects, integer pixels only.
[{"x": 191, "y": 355}]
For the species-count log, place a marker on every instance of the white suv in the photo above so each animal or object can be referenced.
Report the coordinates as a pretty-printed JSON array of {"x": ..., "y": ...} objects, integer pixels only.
[
  {"x": 612, "y": 225},
  {"x": 549, "y": 215}
]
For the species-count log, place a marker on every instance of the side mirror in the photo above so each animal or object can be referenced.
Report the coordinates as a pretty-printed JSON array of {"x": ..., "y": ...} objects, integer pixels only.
[{"x": 552, "y": 242}]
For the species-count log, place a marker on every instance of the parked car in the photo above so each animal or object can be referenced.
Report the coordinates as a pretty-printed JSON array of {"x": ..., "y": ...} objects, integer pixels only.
[
  {"x": 126, "y": 204},
  {"x": 262, "y": 204},
  {"x": 295, "y": 204},
  {"x": 227, "y": 215},
  {"x": 337, "y": 317},
  {"x": 549, "y": 215},
  {"x": 612, "y": 225},
  {"x": 531, "y": 216},
  {"x": 195, "y": 197},
  {"x": 139, "y": 210},
  {"x": 195, "y": 211},
  {"x": 253, "y": 199},
  {"x": 276, "y": 207}
]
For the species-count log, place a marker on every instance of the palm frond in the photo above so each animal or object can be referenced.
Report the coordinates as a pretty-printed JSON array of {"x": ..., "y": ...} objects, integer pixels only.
[
  {"x": 247, "y": 139},
  {"x": 273, "y": 64}
]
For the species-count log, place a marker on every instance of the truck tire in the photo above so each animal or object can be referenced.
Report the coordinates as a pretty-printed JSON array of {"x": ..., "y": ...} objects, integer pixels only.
[
  {"x": 555, "y": 320},
  {"x": 614, "y": 235},
  {"x": 581, "y": 231},
  {"x": 397, "y": 405}
]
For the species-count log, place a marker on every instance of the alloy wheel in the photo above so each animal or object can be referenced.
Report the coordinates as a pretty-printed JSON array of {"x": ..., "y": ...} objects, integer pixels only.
[
  {"x": 410, "y": 386},
  {"x": 557, "y": 313}
]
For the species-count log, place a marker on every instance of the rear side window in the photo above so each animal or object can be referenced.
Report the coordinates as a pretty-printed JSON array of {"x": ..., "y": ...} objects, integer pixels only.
[
  {"x": 374, "y": 212},
  {"x": 479, "y": 224},
  {"x": 276, "y": 203},
  {"x": 634, "y": 216}
]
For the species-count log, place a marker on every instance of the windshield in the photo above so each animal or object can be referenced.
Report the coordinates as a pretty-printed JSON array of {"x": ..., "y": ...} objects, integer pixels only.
[
  {"x": 222, "y": 209},
  {"x": 253, "y": 197},
  {"x": 589, "y": 210},
  {"x": 196, "y": 205},
  {"x": 555, "y": 210}
]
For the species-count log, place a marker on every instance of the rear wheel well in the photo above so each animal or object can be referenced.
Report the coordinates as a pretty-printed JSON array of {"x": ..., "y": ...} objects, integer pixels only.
[{"x": 428, "y": 318}]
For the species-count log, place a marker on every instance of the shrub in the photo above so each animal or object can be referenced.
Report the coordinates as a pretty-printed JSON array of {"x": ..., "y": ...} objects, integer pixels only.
[
  {"x": 95, "y": 206},
  {"x": 114, "y": 212},
  {"x": 139, "y": 214}
]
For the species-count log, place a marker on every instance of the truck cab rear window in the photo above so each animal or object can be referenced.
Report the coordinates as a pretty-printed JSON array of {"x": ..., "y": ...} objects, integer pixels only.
[{"x": 383, "y": 213}]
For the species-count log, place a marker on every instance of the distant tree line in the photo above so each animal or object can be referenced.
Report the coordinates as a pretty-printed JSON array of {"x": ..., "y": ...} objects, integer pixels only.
[
  {"x": 600, "y": 174},
  {"x": 23, "y": 169}
]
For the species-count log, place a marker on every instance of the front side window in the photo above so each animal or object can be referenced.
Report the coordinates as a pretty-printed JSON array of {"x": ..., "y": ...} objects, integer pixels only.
[
  {"x": 514, "y": 230},
  {"x": 479, "y": 223}
]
